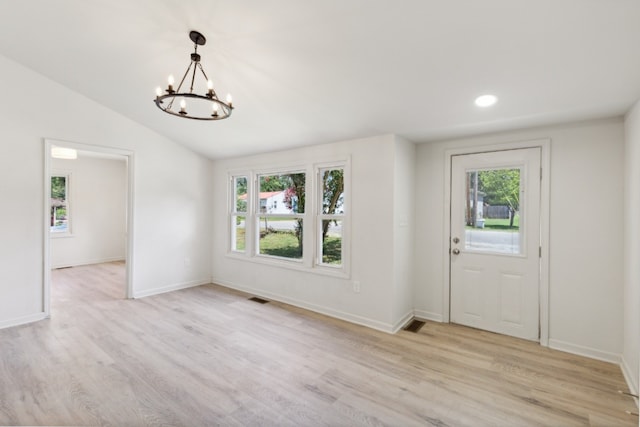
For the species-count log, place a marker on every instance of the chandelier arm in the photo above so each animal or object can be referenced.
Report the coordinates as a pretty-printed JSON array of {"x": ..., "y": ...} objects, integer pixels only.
[
  {"x": 213, "y": 92},
  {"x": 193, "y": 76},
  {"x": 184, "y": 77},
  {"x": 203, "y": 73},
  {"x": 170, "y": 105}
]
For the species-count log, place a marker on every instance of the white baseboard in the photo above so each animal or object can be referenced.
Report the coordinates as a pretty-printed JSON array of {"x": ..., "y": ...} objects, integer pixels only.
[
  {"x": 584, "y": 351},
  {"x": 427, "y": 315},
  {"x": 174, "y": 287},
  {"x": 352, "y": 318},
  {"x": 22, "y": 320},
  {"x": 632, "y": 380},
  {"x": 87, "y": 262}
]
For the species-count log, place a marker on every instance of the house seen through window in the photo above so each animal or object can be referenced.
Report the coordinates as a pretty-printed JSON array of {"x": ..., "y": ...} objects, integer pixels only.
[{"x": 281, "y": 217}]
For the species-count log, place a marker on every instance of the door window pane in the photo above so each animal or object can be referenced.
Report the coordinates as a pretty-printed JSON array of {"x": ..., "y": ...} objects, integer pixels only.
[{"x": 492, "y": 211}]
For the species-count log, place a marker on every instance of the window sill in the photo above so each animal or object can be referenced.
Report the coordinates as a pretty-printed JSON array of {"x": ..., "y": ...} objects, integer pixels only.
[
  {"x": 297, "y": 265},
  {"x": 60, "y": 235}
]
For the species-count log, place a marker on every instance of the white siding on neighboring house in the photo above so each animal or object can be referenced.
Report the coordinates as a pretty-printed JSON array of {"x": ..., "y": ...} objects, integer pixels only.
[{"x": 273, "y": 203}]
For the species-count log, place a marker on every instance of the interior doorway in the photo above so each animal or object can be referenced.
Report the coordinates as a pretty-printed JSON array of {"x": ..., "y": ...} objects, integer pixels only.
[{"x": 88, "y": 217}]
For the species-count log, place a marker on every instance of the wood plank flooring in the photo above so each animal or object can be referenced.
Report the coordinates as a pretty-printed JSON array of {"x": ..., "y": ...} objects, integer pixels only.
[{"x": 209, "y": 356}]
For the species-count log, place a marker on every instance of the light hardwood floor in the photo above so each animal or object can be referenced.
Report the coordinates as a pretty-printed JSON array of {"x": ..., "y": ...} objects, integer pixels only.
[{"x": 209, "y": 356}]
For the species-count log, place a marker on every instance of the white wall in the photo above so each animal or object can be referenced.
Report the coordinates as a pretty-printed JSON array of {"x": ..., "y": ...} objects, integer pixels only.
[
  {"x": 586, "y": 227},
  {"x": 631, "y": 348},
  {"x": 372, "y": 243},
  {"x": 98, "y": 190},
  {"x": 172, "y": 222},
  {"x": 403, "y": 229}
]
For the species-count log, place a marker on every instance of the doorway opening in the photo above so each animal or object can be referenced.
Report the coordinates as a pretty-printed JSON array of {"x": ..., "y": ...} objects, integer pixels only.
[{"x": 88, "y": 219}]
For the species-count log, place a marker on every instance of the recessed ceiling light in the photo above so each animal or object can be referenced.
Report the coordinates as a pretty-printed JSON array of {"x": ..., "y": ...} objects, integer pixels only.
[{"x": 486, "y": 100}]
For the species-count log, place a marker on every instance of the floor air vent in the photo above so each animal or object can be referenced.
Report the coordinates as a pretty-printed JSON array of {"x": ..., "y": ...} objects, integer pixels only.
[
  {"x": 258, "y": 300},
  {"x": 414, "y": 326}
]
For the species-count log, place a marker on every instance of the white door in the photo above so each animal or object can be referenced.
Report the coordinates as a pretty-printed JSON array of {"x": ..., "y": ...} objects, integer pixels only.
[{"x": 495, "y": 241}]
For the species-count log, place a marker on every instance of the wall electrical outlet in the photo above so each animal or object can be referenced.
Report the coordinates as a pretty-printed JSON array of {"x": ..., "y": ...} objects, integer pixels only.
[{"x": 356, "y": 286}]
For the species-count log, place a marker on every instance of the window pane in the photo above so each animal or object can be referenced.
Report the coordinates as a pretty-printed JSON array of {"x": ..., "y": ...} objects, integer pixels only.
[
  {"x": 332, "y": 242},
  {"x": 333, "y": 191},
  {"x": 282, "y": 194},
  {"x": 58, "y": 212},
  {"x": 281, "y": 237},
  {"x": 492, "y": 211},
  {"x": 238, "y": 237},
  {"x": 240, "y": 186}
]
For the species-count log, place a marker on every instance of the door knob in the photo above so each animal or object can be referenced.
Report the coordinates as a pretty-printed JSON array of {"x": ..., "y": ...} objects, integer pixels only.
[
  {"x": 456, "y": 240},
  {"x": 456, "y": 251}
]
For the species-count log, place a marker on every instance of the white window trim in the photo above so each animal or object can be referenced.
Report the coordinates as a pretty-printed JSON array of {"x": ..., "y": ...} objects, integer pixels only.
[
  {"x": 69, "y": 199},
  {"x": 309, "y": 262}
]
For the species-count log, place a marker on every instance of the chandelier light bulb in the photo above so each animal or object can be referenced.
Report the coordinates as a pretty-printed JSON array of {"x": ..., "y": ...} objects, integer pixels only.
[
  {"x": 229, "y": 100},
  {"x": 183, "y": 107},
  {"x": 158, "y": 91},
  {"x": 210, "y": 89},
  {"x": 215, "y": 109},
  {"x": 171, "y": 80}
]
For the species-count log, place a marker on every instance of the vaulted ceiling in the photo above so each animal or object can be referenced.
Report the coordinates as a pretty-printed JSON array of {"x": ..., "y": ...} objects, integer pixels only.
[{"x": 308, "y": 72}]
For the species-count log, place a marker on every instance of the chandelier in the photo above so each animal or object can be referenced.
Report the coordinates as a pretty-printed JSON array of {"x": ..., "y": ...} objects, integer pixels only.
[{"x": 201, "y": 107}]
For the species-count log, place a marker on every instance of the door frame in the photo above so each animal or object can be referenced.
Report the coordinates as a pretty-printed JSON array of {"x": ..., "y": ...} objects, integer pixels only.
[
  {"x": 545, "y": 147},
  {"x": 129, "y": 159}
]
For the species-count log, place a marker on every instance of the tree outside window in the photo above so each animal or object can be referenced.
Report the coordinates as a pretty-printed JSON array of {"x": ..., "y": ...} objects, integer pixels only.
[
  {"x": 59, "y": 210},
  {"x": 281, "y": 198},
  {"x": 331, "y": 216},
  {"x": 239, "y": 214}
]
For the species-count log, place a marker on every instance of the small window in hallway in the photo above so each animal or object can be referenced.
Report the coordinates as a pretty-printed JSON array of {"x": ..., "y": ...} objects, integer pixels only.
[{"x": 59, "y": 208}]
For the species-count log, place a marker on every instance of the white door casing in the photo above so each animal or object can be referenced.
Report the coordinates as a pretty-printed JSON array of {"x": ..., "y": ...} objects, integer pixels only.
[{"x": 495, "y": 276}]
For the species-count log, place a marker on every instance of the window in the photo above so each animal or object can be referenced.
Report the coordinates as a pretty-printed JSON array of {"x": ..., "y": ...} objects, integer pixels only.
[
  {"x": 59, "y": 211},
  {"x": 330, "y": 216},
  {"x": 239, "y": 214},
  {"x": 492, "y": 211},
  {"x": 280, "y": 222},
  {"x": 273, "y": 222}
]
